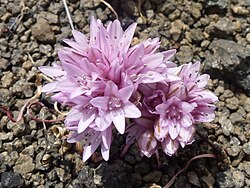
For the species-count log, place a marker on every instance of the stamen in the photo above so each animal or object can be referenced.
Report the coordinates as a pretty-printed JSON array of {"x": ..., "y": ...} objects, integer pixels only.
[{"x": 114, "y": 103}]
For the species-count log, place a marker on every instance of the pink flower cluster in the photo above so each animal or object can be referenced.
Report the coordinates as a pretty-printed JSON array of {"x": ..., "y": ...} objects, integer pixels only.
[{"x": 135, "y": 90}]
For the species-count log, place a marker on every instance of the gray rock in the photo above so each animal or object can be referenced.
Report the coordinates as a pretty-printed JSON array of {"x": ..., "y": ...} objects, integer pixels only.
[
  {"x": 24, "y": 164},
  {"x": 11, "y": 179},
  {"x": 224, "y": 179},
  {"x": 176, "y": 29},
  {"x": 236, "y": 117},
  {"x": 232, "y": 103},
  {"x": 50, "y": 17},
  {"x": 62, "y": 174},
  {"x": 42, "y": 31},
  {"x": 224, "y": 28},
  {"x": 136, "y": 180},
  {"x": 142, "y": 168},
  {"x": 231, "y": 60},
  {"x": 184, "y": 55},
  {"x": 153, "y": 176},
  {"x": 86, "y": 177},
  {"x": 21, "y": 86},
  {"x": 238, "y": 178},
  {"x": 244, "y": 2},
  {"x": 193, "y": 178},
  {"x": 247, "y": 169},
  {"x": 197, "y": 35},
  {"x": 233, "y": 151},
  {"x": 3, "y": 136},
  {"x": 216, "y": 5},
  {"x": 3, "y": 30},
  {"x": 246, "y": 148},
  {"x": 208, "y": 180},
  {"x": 226, "y": 125},
  {"x": 246, "y": 104},
  {"x": 4, "y": 63},
  {"x": 117, "y": 174},
  {"x": 239, "y": 10}
]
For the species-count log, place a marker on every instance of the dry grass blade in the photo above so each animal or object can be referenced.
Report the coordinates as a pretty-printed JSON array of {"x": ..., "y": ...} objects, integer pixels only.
[
  {"x": 58, "y": 111},
  {"x": 110, "y": 7},
  {"x": 68, "y": 14}
]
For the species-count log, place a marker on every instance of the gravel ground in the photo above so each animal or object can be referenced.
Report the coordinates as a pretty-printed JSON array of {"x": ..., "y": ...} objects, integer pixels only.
[{"x": 215, "y": 32}]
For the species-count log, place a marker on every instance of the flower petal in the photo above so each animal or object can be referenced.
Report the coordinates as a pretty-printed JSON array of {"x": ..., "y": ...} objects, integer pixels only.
[
  {"x": 52, "y": 72},
  {"x": 168, "y": 54},
  {"x": 80, "y": 38},
  {"x": 107, "y": 137},
  {"x": 86, "y": 120},
  {"x": 131, "y": 111},
  {"x": 127, "y": 37},
  {"x": 89, "y": 150},
  {"x": 50, "y": 87},
  {"x": 186, "y": 121},
  {"x": 100, "y": 102},
  {"x": 118, "y": 120},
  {"x": 174, "y": 130}
]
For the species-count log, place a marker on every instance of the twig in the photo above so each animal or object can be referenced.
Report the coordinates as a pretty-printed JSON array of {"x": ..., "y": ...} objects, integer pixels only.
[
  {"x": 18, "y": 19},
  {"x": 38, "y": 119},
  {"x": 209, "y": 155},
  {"x": 68, "y": 14},
  {"x": 46, "y": 138},
  {"x": 20, "y": 114}
]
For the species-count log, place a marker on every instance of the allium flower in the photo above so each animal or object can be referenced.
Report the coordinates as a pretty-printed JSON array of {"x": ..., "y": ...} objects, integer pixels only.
[
  {"x": 172, "y": 108},
  {"x": 114, "y": 106},
  {"x": 98, "y": 77},
  {"x": 105, "y": 81}
]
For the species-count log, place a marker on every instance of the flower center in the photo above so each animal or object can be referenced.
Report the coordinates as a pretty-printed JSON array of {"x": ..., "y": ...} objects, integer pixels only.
[
  {"x": 173, "y": 113},
  {"x": 114, "y": 103}
]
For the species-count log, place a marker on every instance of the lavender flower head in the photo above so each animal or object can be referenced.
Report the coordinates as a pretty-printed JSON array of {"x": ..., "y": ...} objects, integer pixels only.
[{"x": 105, "y": 81}]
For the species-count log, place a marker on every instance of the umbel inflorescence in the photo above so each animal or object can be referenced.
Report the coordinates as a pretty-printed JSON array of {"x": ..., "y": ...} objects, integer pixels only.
[{"x": 105, "y": 82}]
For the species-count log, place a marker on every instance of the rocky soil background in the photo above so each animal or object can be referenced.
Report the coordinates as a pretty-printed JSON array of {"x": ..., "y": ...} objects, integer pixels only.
[{"x": 215, "y": 32}]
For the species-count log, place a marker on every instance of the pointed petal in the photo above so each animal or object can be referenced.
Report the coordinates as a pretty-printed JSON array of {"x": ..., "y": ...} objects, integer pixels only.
[
  {"x": 110, "y": 89},
  {"x": 74, "y": 45},
  {"x": 168, "y": 54},
  {"x": 170, "y": 146},
  {"x": 80, "y": 38},
  {"x": 74, "y": 115},
  {"x": 103, "y": 122},
  {"x": 72, "y": 70},
  {"x": 107, "y": 137},
  {"x": 76, "y": 92},
  {"x": 202, "y": 80},
  {"x": 125, "y": 93},
  {"x": 153, "y": 60},
  {"x": 127, "y": 37},
  {"x": 152, "y": 77},
  {"x": 50, "y": 87},
  {"x": 52, "y": 72},
  {"x": 174, "y": 131},
  {"x": 75, "y": 137},
  {"x": 94, "y": 29},
  {"x": 105, "y": 152},
  {"x": 115, "y": 30},
  {"x": 89, "y": 150},
  {"x": 100, "y": 102},
  {"x": 185, "y": 107},
  {"x": 131, "y": 111},
  {"x": 86, "y": 120},
  {"x": 118, "y": 120},
  {"x": 186, "y": 121}
]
